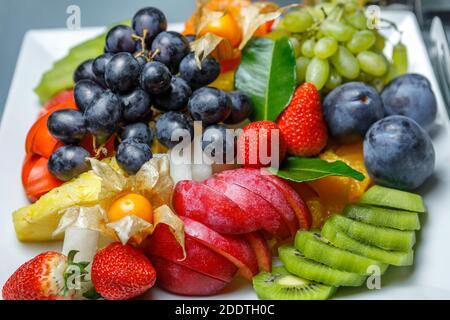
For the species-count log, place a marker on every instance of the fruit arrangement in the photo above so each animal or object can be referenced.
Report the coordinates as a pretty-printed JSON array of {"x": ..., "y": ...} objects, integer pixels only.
[{"x": 186, "y": 160}]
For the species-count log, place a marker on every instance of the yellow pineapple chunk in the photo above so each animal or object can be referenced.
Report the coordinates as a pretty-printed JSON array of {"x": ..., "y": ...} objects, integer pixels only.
[{"x": 37, "y": 221}]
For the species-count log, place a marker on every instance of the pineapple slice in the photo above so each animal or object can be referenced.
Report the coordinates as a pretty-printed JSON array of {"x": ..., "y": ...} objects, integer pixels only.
[{"x": 37, "y": 221}]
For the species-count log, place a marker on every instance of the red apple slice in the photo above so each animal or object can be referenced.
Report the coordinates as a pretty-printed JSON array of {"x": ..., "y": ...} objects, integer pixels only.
[
  {"x": 201, "y": 203},
  {"x": 250, "y": 179},
  {"x": 253, "y": 205},
  {"x": 261, "y": 249},
  {"x": 299, "y": 206},
  {"x": 199, "y": 258},
  {"x": 234, "y": 247},
  {"x": 178, "y": 279}
]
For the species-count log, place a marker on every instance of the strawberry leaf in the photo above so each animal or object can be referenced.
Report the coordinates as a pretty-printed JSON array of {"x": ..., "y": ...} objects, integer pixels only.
[
  {"x": 267, "y": 74},
  {"x": 91, "y": 294},
  {"x": 309, "y": 169}
]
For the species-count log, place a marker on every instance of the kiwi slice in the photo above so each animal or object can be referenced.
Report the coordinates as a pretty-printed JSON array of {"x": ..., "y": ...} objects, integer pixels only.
[
  {"x": 383, "y": 217},
  {"x": 392, "y": 198},
  {"x": 384, "y": 238},
  {"x": 296, "y": 263},
  {"x": 316, "y": 248},
  {"x": 280, "y": 285},
  {"x": 333, "y": 233}
]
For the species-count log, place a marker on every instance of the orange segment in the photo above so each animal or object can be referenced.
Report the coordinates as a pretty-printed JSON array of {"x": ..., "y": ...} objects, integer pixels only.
[
  {"x": 318, "y": 212},
  {"x": 313, "y": 202},
  {"x": 352, "y": 154},
  {"x": 336, "y": 192}
]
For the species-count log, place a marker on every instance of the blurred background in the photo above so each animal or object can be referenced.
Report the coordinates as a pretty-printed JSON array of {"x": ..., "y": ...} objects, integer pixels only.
[{"x": 18, "y": 16}]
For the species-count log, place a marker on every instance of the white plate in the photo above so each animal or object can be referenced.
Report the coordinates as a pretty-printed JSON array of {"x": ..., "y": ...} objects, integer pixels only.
[{"x": 428, "y": 278}]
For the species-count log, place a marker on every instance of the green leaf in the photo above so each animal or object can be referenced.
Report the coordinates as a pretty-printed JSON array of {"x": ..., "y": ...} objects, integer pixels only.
[
  {"x": 308, "y": 169},
  {"x": 92, "y": 294},
  {"x": 71, "y": 256},
  {"x": 267, "y": 74},
  {"x": 60, "y": 76}
]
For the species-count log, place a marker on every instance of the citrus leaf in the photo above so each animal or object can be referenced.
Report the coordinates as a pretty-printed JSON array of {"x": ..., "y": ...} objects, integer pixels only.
[
  {"x": 308, "y": 169},
  {"x": 267, "y": 75}
]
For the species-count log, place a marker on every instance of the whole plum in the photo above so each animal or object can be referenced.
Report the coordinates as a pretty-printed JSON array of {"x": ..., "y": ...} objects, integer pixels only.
[
  {"x": 398, "y": 153},
  {"x": 350, "y": 109},
  {"x": 410, "y": 95}
]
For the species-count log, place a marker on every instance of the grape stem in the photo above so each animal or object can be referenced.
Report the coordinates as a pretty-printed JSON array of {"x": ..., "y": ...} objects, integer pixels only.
[
  {"x": 155, "y": 53},
  {"x": 101, "y": 150},
  {"x": 393, "y": 25},
  {"x": 142, "y": 41}
]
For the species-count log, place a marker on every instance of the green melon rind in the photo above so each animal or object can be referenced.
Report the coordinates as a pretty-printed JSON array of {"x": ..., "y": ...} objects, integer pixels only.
[
  {"x": 342, "y": 240},
  {"x": 392, "y": 198},
  {"x": 60, "y": 76},
  {"x": 300, "y": 266},
  {"x": 315, "y": 248},
  {"x": 383, "y": 217},
  {"x": 384, "y": 238}
]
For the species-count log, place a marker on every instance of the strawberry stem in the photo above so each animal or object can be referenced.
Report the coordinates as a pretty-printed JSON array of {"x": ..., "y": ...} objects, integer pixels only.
[{"x": 75, "y": 271}]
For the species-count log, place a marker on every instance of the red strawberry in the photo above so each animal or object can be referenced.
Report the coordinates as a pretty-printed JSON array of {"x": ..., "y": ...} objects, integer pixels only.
[
  {"x": 256, "y": 141},
  {"x": 121, "y": 272},
  {"x": 42, "y": 278},
  {"x": 302, "y": 123}
]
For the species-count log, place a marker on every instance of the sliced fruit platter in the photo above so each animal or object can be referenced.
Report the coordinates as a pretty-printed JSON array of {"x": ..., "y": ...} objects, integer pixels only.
[{"x": 261, "y": 151}]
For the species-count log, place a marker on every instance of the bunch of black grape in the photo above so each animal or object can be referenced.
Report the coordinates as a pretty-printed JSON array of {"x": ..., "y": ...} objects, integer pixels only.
[{"x": 146, "y": 73}]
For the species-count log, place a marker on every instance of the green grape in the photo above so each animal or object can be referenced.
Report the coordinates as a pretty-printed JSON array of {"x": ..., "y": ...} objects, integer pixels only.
[
  {"x": 334, "y": 79},
  {"x": 372, "y": 63},
  {"x": 338, "y": 30},
  {"x": 296, "y": 46},
  {"x": 377, "y": 83},
  {"x": 317, "y": 72},
  {"x": 318, "y": 10},
  {"x": 302, "y": 64},
  {"x": 308, "y": 48},
  {"x": 380, "y": 42},
  {"x": 357, "y": 20},
  {"x": 278, "y": 34},
  {"x": 390, "y": 74},
  {"x": 297, "y": 21},
  {"x": 400, "y": 58},
  {"x": 351, "y": 7},
  {"x": 361, "y": 41},
  {"x": 325, "y": 48},
  {"x": 364, "y": 77},
  {"x": 345, "y": 63}
]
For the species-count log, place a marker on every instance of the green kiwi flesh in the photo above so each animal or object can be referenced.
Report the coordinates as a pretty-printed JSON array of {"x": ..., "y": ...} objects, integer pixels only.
[
  {"x": 319, "y": 249},
  {"x": 280, "y": 285},
  {"x": 342, "y": 240},
  {"x": 296, "y": 263},
  {"x": 392, "y": 198},
  {"x": 383, "y": 217},
  {"x": 384, "y": 238}
]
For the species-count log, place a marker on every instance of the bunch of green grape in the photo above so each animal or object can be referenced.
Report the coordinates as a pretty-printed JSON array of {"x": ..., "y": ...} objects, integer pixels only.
[{"x": 333, "y": 45}]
